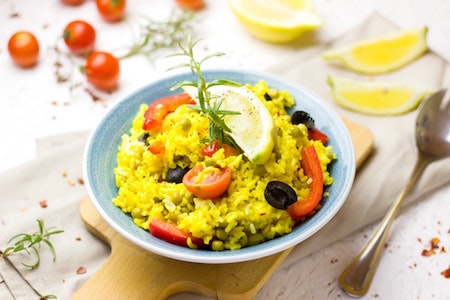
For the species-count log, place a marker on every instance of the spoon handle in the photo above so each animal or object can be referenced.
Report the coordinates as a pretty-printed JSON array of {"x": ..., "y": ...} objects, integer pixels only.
[{"x": 357, "y": 277}]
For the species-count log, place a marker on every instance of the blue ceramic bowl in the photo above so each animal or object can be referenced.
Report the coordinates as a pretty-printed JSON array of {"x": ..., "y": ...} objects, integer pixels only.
[{"x": 101, "y": 151}]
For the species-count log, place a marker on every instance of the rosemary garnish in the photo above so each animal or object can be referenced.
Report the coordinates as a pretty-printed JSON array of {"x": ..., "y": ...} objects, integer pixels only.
[
  {"x": 157, "y": 35},
  {"x": 32, "y": 241},
  {"x": 210, "y": 106}
]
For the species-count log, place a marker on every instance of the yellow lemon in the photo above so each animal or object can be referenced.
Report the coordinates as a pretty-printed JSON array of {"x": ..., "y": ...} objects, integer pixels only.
[
  {"x": 383, "y": 53},
  {"x": 253, "y": 128},
  {"x": 376, "y": 98},
  {"x": 276, "y": 21}
]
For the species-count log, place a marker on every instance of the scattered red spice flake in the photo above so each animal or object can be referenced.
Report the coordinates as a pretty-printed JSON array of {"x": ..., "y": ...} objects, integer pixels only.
[
  {"x": 14, "y": 15},
  {"x": 419, "y": 240},
  {"x": 443, "y": 250},
  {"x": 81, "y": 270},
  {"x": 54, "y": 103},
  {"x": 94, "y": 97},
  {"x": 386, "y": 245},
  {"x": 78, "y": 238},
  {"x": 426, "y": 252},
  {"x": 43, "y": 203},
  {"x": 446, "y": 273},
  {"x": 434, "y": 244},
  {"x": 80, "y": 181}
]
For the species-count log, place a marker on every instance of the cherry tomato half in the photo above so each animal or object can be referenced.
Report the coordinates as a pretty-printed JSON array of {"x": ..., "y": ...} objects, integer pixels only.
[
  {"x": 191, "y": 4},
  {"x": 102, "y": 70},
  {"x": 23, "y": 47},
  {"x": 212, "y": 186},
  {"x": 111, "y": 10},
  {"x": 79, "y": 37}
]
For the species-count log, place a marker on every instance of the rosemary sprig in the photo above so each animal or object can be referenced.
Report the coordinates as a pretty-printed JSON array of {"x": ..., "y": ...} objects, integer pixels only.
[
  {"x": 210, "y": 106},
  {"x": 25, "y": 242},
  {"x": 157, "y": 35}
]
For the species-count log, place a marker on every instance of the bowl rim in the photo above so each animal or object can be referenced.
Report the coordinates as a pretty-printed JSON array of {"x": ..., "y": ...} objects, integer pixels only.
[{"x": 247, "y": 253}]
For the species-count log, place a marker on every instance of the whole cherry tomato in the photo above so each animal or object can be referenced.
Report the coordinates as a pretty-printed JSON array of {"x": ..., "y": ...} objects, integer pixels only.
[
  {"x": 79, "y": 37},
  {"x": 111, "y": 10},
  {"x": 23, "y": 47},
  {"x": 102, "y": 70},
  {"x": 191, "y": 4},
  {"x": 72, "y": 2}
]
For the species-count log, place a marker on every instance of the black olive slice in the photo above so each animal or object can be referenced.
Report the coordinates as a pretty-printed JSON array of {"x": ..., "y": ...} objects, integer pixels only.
[
  {"x": 143, "y": 138},
  {"x": 280, "y": 195},
  {"x": 176, "y": 175},
  {"x": 302, "y": 117}
]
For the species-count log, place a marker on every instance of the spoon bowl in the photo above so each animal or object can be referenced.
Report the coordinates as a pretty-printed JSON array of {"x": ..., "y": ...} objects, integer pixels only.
[{"x": 432, "y": 134}]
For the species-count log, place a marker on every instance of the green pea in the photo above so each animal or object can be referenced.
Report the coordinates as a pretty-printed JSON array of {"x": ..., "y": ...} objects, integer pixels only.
[
  {"x": 217, "y": 245},
  {"x": 186, "y": 124}
]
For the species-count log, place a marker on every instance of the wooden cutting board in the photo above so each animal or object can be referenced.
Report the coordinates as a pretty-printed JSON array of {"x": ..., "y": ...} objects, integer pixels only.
[{"x": 133, "y": 273}]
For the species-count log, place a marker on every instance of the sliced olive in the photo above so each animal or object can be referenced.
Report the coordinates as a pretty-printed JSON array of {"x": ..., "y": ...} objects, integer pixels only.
[
  {"x": 267, "y": 97},
  {"x": 176, "y": 175},
  {"x": 280, "y": 195},
  {"x": 302, "y": 117},
  {"x": 143, "y": 138}
]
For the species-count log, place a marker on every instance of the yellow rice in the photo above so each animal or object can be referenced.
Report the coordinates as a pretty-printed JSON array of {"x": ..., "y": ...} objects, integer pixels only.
[{"x": 240, "y": 218}]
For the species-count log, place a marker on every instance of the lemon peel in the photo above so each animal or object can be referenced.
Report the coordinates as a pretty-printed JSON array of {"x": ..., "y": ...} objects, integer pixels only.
[
  {"x": 253, "y": 129},
  {"x": 376, "y": 98},
  {"x": 382, "y": 53},
  {"x": 276, "y": 21}
]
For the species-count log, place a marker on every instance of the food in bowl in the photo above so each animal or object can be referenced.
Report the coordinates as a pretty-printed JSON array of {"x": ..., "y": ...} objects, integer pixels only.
[{"x": 261, "y": 200}]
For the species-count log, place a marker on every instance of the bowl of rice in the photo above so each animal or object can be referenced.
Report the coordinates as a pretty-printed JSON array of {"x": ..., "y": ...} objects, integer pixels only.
[{"x": 128, "y": 182}]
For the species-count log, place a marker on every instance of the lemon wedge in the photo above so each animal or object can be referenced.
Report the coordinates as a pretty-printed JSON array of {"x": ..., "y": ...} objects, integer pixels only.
[
  {"x": 276, "y": 21},
  {"x": 382, "y": 53},
  {"x": 253, "y": 129},
  {"x": 376, "y": 98}
]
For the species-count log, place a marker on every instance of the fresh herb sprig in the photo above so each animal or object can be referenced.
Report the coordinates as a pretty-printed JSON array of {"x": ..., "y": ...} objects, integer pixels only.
[
  {"x": 208, "y": 105},
  {"x": 25, "y": 242},
  {"x": 156, "y": 35}
]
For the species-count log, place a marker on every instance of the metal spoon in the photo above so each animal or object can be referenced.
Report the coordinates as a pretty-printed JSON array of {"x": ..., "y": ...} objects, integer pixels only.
[{"x": 432, "y": 135}]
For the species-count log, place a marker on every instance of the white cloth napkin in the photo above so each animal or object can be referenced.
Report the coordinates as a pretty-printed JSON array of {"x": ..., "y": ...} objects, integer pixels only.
[
  {"x": 54, "y": 177},
  {"x": 381, "y": 178}
]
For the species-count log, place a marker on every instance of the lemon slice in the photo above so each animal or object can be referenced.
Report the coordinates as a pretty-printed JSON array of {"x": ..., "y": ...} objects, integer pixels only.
[
  {"x": 253, "y": 129},
  {"x": 383, "y": 53},
  {"x": 376, "y": 98},
  {"x": 276, "y": 21}
]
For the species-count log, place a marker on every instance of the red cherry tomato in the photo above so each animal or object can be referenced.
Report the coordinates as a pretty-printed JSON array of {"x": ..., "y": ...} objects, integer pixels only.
[
  {"x": 191, "y": 4},
  {"x": 79, "y": 37},
  {"x": 211, "y": 149},
  {"x": 212, "y": 186},
  {"x": 23, "y": 47},
  {"x": 111, "y": 10},
  {"x": 72, "y": 2},
  {"x": 102, "y": 70}
]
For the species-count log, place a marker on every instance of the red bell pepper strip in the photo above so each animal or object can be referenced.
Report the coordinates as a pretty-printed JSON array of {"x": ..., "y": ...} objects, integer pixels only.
[
  {"x": 157, "y": 147},
  {"x": 172, "y": 234},
  {"x": 157, "y": 111},
  {"x": 312, "y": 169},
  {"x": 317, "y": 135}
]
